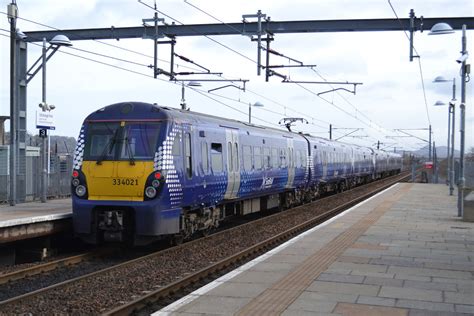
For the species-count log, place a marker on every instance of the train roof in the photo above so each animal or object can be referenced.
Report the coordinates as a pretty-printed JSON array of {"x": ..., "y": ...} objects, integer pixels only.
[{"x": 147, "y": 111}]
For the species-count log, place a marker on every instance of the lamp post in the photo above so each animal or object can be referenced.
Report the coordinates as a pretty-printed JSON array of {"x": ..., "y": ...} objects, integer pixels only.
[
  {"x": 451, "y": 133},
  {"x": 189, "y": 84},
  {"x": 256, "y": 104},
  {"x": 56, "y": 42},
  {"x": 444, "y": 28},
  {"x": 12, "y": 17}
]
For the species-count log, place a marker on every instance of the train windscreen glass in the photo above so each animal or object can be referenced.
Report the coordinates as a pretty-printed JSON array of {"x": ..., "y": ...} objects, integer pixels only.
[{"x": 121, "y": 141}]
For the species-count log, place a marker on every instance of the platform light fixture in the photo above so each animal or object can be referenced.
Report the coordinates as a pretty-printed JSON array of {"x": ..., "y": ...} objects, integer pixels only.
[
  {"x": 183, "y": 86},
  {"x": 444, "y": 28},
  {"x": 40, "y": 64},
  {"x": 257, "y": 105},
  {"x": 451, "y": 130}
]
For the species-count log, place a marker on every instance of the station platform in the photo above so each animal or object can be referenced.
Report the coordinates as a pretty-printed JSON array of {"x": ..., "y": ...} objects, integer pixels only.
[
  {"x": 402, "y": 252},
  {"x": 34, "y": 219}
]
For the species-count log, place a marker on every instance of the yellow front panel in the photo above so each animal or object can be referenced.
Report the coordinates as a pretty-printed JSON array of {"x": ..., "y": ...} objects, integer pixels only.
[{"x": 116, "y": 180}]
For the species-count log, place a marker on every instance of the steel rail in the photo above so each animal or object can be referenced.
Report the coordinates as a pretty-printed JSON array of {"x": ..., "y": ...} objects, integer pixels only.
[
  {"x": 45, "y": 267},
  {"x": 261, "y": 247}
]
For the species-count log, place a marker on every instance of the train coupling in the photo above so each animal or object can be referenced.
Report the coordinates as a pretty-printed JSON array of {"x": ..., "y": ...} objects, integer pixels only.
[{"x": 111, "y": 223}]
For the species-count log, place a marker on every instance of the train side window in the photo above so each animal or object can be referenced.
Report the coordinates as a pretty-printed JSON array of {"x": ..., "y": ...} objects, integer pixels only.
[
  {"x": 176, "y": 151},
  {"x": 274, "y": 158},
  {"x": 205, "y": 157},
  {"x": 187, "y": 153},
  {"x": 290, "y": 157},
  {"x": 229, "y": 157},
  {"x": 216, "y": 157},
  {"x": 257, "y": 155},
  {"x": 236, "y": 157},
  {"x": 247, "y": 157},
  {"x": 283, "y": 155},
  {"x": 266, "y": 158}
]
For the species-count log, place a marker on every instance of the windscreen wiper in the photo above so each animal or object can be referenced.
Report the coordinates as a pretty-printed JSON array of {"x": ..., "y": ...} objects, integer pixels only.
[
  {"x": 131, "y": 157},
  {"x": 108, "y": 148}
]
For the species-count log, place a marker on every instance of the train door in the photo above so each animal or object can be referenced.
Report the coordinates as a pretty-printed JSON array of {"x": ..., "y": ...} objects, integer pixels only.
[
  {"x": 233, "y": 166},
  {"x": 325, "y": 162},
  {"x": 290, "y": 163}
]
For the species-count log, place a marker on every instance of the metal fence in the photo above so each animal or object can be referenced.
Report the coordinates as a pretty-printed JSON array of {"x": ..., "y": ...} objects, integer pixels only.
[
  {"x": 59, "y": 176},
  {"x": 469, "y": 174}
]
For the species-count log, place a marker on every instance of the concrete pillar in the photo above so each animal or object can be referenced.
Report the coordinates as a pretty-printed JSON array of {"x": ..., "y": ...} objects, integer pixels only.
[{"x": 468, "y": 214}]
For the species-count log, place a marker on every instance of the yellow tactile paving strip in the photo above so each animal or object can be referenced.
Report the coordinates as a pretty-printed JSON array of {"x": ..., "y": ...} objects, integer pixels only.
[{"x": 277, "y": 298}]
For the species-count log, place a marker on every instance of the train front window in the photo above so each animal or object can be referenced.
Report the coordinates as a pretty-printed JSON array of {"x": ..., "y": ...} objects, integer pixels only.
[
  {"x": 121, "y": 141},
  {"x": 101, "y": 141},
  {"x": 139, "y": 141}
]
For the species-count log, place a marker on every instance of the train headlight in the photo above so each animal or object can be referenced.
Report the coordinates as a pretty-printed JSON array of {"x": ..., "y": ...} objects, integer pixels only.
[
  {"x": 75, "y": 182},
  {"x": 81, "y": 190},
  {"x": 150, "y": 192},
  {"x": 155, "y": 183}
]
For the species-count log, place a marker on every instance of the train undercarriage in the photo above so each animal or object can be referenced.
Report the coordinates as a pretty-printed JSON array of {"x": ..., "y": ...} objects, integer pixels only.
[{"x": 117, "y": 225}]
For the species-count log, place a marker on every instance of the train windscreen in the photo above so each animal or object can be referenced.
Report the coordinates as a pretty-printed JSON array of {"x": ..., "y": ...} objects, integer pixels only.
[{"x": 121, "y": 141}]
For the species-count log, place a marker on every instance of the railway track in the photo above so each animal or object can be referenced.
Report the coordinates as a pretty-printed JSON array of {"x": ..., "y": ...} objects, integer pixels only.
[
  {"x": 45, "y": 267},
  {"x": 132, "y": 285}
]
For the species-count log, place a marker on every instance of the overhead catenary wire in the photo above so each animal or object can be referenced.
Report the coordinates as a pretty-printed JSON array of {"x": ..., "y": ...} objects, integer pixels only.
[
  {"x": 151, "y": 77},
  {"x": 122, "y": 60},
  {"x": 101, "y": 42},
  {"x": 131, "y": 71},
  {"x": 419, "y": 62},
  {"x": 223, "y": 45},
  {"x": 332, "y": 103},
  {"x": 206, "y": 36},
  {"x": 150, "y": 56}
]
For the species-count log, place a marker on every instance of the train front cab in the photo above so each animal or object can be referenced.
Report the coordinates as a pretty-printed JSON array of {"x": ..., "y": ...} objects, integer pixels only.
[{"x": 116, "y": 189}]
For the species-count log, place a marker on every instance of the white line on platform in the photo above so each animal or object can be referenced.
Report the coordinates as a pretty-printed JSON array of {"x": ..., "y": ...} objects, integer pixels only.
[{"x": 203, "y": 290}]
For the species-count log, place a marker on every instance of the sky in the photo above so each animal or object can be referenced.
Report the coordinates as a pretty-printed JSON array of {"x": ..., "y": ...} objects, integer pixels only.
[{"x": 390, "y": 98}]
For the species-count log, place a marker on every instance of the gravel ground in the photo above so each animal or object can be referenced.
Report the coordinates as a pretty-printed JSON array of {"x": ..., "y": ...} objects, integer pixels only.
[{"x": 103, "y": 292}]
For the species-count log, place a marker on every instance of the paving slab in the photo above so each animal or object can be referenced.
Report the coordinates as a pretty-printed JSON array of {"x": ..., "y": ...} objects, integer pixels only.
[{"x": 404, "y": 252}]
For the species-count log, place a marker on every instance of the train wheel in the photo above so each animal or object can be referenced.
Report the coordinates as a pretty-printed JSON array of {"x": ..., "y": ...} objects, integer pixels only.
[
  {"x": 206, "y": 232},
  {"x": 177, "y": 239}
]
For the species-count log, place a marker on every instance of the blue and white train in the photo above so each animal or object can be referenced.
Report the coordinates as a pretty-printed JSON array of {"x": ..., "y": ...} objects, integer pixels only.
[{"x": 143, "y": 172}]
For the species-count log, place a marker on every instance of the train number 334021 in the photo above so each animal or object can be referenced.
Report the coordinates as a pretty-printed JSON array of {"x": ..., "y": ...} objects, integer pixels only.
[{"x": 118, "y": 181}]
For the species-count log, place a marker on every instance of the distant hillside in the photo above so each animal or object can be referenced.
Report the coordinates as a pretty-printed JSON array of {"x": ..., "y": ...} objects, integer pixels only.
[{"x": 441, "y": 151}]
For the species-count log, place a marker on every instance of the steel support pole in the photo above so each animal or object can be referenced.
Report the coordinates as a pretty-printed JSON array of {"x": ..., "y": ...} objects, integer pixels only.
[
  {"x": 462, "y": 127},
  {"x": 429, "y": 143},
  {"x": 436, "y": 167},
  {"x": 412, "y": 31},
  {"x": 448, "y": 169},
  {"x": 259, "y": 42},
  {"x": 250, "y": 113},
  {"x": 44, "y": 175},
  {"x": 13, "y": 106},
  {"x": 183, "y": 101},
  {"x": 155, "y": 46},
  {"x": 451, "y": 175}
]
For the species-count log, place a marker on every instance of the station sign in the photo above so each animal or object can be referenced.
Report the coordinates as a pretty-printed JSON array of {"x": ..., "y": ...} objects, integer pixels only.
[{"x": 45, "y": 120}]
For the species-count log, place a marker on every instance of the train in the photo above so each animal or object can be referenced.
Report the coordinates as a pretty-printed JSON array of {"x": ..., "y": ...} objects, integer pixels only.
[{"x": 144, "y": 172}]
